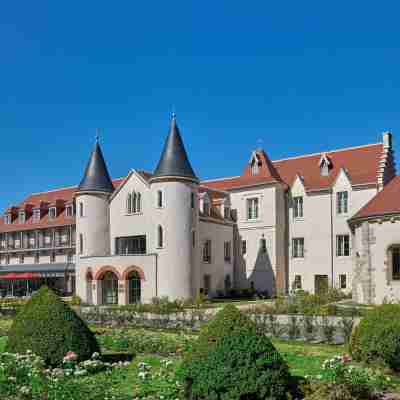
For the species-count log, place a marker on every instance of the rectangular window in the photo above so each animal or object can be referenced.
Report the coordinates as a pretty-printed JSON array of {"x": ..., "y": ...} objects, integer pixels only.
[
  {"x": 52, "y": 257},
  {"x": 81, "y": 209},
  {"x": 52, "y": 213},
  {"x": 7, "y": 219},
  {"x": 131, "y": 245},
  {"x": 207, "y": 284},
  {"x": 21, "y": 259},
  {"x": 194, "y": 239},
  {"x": 80, "y": 243},
  {"x": 69, "y": 257},
  {"x": 396, "y": 263},
  {"x": 207, "y": 251},
  {"x": 36, "y": 215},
  {"x": 342, "y": 245},
  {"x": 342, "y": 281},
  {"x": 227, "y": 212},
  {"x": 37, "y": 258},
  {"x": 7, "y": 259},
  {"x": 298, "y": 248},
  {"x": 297, "y": 282},
  {"x": 227, "y": 251},
  {"x": 252, "y": 208},
  {"x": 342, "y": 199},
  {"x": 244, "y": 247},
  {"x": 298, "y": 207}
]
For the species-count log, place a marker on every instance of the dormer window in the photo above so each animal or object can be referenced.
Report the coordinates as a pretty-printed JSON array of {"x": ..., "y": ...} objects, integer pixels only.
[
  {"x": 69, "y": 211},
  {"x": 36, "y": 215},
  {"x": 7, "y": 219},
  {"x": 255, "y": 164},
  {"x": 21, "y": 217},
  {"x": 52, "y": 212},
  {"x": 325, "y": 165}
]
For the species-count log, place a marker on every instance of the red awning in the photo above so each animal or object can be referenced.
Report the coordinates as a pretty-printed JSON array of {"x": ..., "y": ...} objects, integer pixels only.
[{"x": 20, "y": 275}]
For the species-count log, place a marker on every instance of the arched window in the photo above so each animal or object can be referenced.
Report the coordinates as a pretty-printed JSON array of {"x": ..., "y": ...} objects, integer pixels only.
[
  {"x": 159, "y": 198},
  {"x": 394, "y": 262},
  {"x": 134, "y": 288},
  {"x": 160, "y": 236},
  {"x": 129, "y": 203},
  {"x": 134, "y": 196},
  {"x": 138, "y": 202},
  {"x": 109, "y": 286}
]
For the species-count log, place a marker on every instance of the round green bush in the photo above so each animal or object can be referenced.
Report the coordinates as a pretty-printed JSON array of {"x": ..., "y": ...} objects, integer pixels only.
[
  {"x": 50, "y": 328},
  {"x": 233, "y": 360},
  {"x": 377, "y": 337}
]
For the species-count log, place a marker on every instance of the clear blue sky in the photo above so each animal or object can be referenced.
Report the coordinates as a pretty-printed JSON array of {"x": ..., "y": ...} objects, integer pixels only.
[{"x": 301, "y": 76}]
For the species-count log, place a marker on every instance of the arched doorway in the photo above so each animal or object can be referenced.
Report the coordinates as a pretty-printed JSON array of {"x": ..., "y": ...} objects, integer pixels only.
[
  {"x": 109, "y": 288},
  {"x": 89, "y": 290},
  {"x": 134, "y": 287}
]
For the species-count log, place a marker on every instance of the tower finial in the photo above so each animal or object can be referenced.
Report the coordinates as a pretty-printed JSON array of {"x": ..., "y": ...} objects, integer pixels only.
[
  {"x": 97, "y": 135},
  {"x": 173, "y": 115}
]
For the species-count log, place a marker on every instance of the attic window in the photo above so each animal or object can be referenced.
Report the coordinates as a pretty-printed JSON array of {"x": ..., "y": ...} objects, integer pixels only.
[
  {"x": 69, "y": 211},
  {"x": 325, "y": 164},
  {"x": 52, "y": 213},
  {"x": 21, "y": 217},
  {"x": 36, "y": 215}
]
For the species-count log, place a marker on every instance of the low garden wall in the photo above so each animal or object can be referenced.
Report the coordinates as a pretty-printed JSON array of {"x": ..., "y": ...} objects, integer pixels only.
[{"x": 312, "y": 328}]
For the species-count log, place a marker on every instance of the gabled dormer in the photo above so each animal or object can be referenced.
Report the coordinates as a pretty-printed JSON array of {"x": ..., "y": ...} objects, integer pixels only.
[
  {"x": 260, "y": 166},
  {"x": 325, "y": 165}
]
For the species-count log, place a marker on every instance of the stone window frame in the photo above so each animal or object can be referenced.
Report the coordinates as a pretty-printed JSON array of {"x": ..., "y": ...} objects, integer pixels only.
[{"x": 389, "y": 262}]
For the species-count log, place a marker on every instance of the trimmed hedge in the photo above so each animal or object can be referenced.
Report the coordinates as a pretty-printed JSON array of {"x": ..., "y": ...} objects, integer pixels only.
[
  {"x": 233, "y": 360},
  {"x": 377, "y": 337},
  {"x": 50, "y": 328}
]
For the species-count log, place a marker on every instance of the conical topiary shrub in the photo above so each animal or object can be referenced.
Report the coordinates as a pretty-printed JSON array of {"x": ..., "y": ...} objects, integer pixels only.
[
  {"x": 50, "y": 328},
  {"x": 234, "y": 360}
]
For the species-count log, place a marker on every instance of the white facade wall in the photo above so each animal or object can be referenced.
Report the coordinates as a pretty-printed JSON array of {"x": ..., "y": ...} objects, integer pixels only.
[
  {"x": 255, "y": 267},
  {"x": 218, "y": 268},
  {"x": 319, "y": 227}
]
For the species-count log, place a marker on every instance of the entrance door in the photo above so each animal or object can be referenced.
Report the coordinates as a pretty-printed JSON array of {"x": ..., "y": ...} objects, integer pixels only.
[{"x": 320, "y": 284}]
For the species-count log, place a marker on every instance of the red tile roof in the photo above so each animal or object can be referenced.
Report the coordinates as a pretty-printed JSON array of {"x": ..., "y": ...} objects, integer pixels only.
[
  {"x": 383, "y": 203},
  {"x": 38, "y": 199},
  {"x": 361, "y": 164}
]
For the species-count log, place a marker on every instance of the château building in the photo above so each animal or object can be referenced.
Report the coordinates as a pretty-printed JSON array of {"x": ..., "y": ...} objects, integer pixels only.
[{"x": 306, "y": 222}]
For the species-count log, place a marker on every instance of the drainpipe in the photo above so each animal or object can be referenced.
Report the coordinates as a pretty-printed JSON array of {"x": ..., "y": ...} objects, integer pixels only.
[{"x": 332, "y": 238}]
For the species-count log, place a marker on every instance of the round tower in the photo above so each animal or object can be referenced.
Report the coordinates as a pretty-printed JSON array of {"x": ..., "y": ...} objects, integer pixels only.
[
  {"x": 92, "y": 208},
  {"x": 175, "y": 188}
]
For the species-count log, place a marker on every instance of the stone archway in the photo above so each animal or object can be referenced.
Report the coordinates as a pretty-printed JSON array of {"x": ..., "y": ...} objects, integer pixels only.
[
  {"x": 107, "y": 279},
  {"x": 133, "y": 277}
]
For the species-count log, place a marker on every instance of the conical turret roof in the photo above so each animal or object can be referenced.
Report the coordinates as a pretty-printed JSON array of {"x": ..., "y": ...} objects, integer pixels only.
[
  {"x": 174, "y": 161},
  {"x": 96, "y": 177}
]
